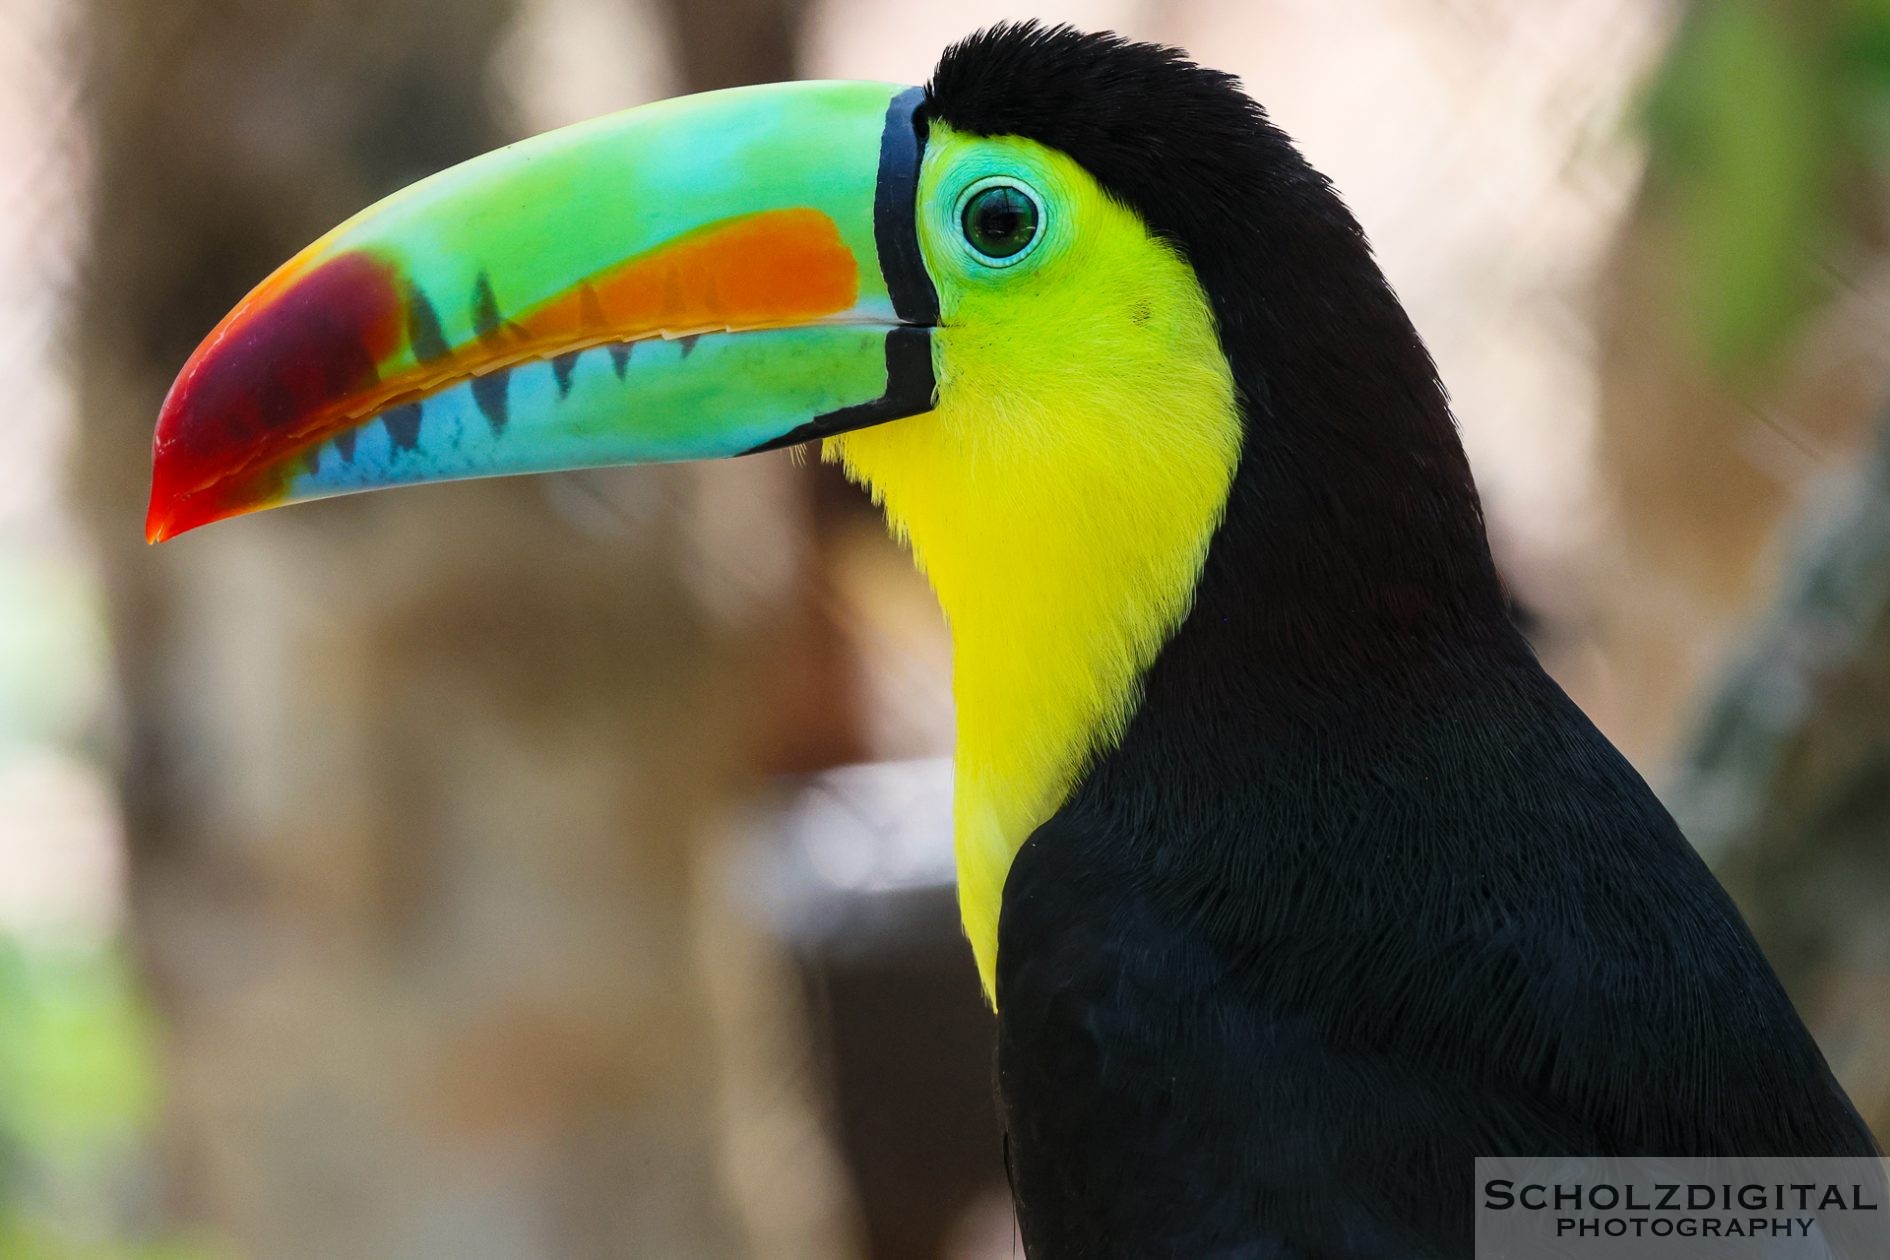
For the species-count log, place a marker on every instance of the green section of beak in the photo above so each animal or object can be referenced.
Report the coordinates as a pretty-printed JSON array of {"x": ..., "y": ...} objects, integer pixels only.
[
  {"x": 697, "y": 278},
  {"x": 704, "y": 398}
]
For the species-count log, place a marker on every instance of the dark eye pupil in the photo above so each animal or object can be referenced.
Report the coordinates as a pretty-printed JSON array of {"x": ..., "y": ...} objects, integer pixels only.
[{"x": 1000, "y": 221}]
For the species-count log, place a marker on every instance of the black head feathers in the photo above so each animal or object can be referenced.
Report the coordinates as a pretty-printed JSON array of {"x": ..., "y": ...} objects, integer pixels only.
[
  {"x": 1353, "y": 489},
  {"x": 1180, "y": 143}
]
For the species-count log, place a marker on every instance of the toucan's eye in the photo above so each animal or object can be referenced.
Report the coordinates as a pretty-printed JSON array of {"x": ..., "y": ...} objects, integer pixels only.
[{"x": 1000, "y": 221}]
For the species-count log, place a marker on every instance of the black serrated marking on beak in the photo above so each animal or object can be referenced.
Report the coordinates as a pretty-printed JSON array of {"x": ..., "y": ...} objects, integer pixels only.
[
  {"x": 312, "y": 459},
  {"x": 403, "y": 426},
  {"x": 485, "y": 309},
  {"x": 561, "y": 368},
  {"x": 423, "y": 327},
  {"x": 620, "y": 357},
  {"x": 344, "y": 445},
  {"x": 688, "y": 343},
  {"x": 490, "y": 396}
]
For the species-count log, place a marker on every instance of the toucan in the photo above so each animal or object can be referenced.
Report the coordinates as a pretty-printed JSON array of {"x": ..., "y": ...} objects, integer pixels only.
[{"x": 1295, "y": 881}]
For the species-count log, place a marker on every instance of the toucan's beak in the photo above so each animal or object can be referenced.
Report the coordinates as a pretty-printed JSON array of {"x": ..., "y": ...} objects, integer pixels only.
[{"x": 702, "y": 277}]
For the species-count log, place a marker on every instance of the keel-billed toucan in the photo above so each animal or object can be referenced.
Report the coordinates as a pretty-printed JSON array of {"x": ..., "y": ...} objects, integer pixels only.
[{"x": 1295, "y": 881}]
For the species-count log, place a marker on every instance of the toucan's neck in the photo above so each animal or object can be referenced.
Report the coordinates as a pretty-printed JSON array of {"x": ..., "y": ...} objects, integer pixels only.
[
  {"x": 1346, "y": 581},
  {"x": 1346, "y": 541},
  {"x": 1232, "y": 473},
  {"x": 1353, "y": 543}
]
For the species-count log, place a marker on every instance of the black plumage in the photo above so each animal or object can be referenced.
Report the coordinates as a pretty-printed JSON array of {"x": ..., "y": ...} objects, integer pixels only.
[{"x": 1361, "y": 894}]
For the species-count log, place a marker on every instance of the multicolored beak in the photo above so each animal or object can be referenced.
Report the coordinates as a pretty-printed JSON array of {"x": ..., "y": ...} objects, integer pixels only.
[{"x": 702, "y": 277}]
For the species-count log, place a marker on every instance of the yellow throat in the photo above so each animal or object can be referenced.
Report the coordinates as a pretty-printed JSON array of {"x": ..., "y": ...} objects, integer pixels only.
[{"x": 1061, "y": 497}]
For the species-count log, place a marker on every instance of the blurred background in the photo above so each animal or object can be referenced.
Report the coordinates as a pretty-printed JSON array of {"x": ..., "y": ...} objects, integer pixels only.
[{"x": 559, "y": 868}]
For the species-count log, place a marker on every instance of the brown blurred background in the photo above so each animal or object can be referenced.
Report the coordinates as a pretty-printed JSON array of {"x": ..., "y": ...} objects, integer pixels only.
[{"x": 560, "y": 868}]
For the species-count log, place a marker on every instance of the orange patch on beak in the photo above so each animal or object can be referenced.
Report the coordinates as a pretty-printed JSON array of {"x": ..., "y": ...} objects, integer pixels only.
[{"x": 765, "y": 270}]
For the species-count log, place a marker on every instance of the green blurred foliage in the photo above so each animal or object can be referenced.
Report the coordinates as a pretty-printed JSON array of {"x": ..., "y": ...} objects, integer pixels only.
[
  {"x": 76, "y": 1071},
  {"x": 76, "y": 1096},
  {"x": 52, "y": 650},
  {"x": 1761, "y": 118}
]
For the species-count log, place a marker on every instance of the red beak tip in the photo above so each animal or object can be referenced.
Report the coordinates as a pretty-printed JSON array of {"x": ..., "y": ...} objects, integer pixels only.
[{"x": 160, "y": 520}]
